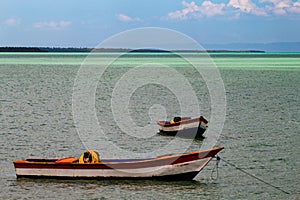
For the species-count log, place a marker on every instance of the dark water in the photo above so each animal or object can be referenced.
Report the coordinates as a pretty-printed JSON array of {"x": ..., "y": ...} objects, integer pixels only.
[{"x": 261, "y": 133}]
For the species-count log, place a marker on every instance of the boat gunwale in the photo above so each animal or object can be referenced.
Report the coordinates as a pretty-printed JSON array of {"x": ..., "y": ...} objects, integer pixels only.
[{"x": 184, "y": 121}]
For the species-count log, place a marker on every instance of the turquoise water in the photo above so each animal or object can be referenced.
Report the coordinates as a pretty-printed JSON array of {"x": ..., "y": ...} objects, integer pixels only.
[
  {"x": 231, "y": 60},
  {"x": 261, "y": 131}
]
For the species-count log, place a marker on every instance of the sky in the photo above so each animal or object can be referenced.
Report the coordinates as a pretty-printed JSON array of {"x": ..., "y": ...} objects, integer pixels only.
[{"x": 72, "y": 23}]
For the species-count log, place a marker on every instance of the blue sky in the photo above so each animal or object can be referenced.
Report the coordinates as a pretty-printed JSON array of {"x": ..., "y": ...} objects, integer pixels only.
[{"x": 71, "y": 23}]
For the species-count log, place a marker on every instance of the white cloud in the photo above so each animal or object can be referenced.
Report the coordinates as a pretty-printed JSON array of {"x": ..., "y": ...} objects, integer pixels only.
[
  {"x": 192, "y": 10},
  {"x": 297, "y": 4},
  {"x": 278, "y": 3},
  {"x": 279, "y": 11},
  {"x": 125, "y": 18},
  {"x": 210, "y": 9},
  {"x": 52, "y": 25},
  {"x": 282, "y": 7},
  {"x": 12, "y": 21},
  {"x": 247, "y": 6},
  {"x": 295, "y": 8},
  {"x": 177, "y": 15},
  {"x": 277, "y": 7},
  {"x": 235, "y": 8}
]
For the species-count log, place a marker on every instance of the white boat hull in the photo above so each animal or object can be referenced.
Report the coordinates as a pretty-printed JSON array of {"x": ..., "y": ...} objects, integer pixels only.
[{"x": 167, "y": 167}]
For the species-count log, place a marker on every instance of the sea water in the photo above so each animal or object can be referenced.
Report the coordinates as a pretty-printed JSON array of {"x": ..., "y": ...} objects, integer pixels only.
[{"x": 261, "y": 132}]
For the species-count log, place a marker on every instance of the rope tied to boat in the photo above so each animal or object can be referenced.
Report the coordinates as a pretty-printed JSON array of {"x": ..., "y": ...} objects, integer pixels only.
[
  {"x": 253, "y": 176},
  {"x": 215, "y": 169}
]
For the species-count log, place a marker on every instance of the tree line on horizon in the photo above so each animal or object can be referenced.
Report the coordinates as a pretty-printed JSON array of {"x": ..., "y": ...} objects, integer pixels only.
[{"x": 75, "y": 49}]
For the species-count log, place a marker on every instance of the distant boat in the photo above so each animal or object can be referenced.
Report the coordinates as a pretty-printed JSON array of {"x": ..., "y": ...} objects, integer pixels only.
[
  {"x": 186, "y": 127},
  {"x": 167, "y": 167}
]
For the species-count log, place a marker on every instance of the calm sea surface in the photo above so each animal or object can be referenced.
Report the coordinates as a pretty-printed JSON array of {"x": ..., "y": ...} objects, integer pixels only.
[{"x": 261, "y": 133}]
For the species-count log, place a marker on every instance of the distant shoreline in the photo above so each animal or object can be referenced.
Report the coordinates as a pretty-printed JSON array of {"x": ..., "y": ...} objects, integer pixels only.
[{"x": 82, "y": 50}]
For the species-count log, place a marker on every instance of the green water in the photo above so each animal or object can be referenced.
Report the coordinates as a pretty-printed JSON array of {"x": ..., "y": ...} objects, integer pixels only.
[
  {"x": 232, "y": 60},
  {"x": 261, "y": 133}
]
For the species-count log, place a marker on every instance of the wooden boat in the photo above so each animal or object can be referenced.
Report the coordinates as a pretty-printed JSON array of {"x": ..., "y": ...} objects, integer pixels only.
[
  {"x": 167, "y": 167},
  {"x": 184, "y": 127}
]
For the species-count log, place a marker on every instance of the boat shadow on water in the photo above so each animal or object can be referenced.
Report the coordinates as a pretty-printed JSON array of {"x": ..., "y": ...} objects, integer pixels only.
[
  {"x": 31, "y": 182},
  {"x": 183, "y": 134}
]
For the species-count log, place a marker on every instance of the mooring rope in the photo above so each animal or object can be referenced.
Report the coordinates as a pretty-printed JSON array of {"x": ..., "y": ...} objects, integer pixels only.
[
  {"x": 253, "y": 176},
  {"x": 215, "y": 169}
]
